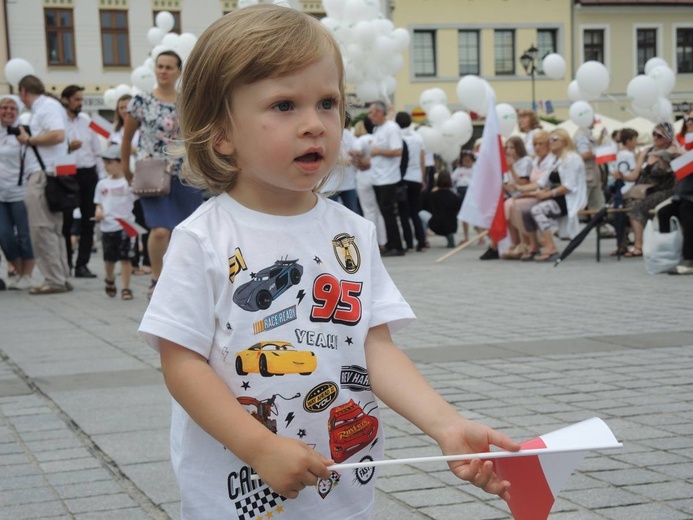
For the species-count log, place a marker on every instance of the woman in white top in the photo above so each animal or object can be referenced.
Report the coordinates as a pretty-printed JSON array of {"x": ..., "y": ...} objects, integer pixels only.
[
  {"x": 519, "y": 171},
  {"x": 528, "y": 121},
  {"x": 563, "y": 193}
]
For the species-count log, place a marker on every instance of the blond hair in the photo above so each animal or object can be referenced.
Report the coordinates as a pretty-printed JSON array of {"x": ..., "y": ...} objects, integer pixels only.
[
  {"x": 533, "y": 118},
  {"x": 245, "y": 46},
  {"x": 565, "y": 137}
]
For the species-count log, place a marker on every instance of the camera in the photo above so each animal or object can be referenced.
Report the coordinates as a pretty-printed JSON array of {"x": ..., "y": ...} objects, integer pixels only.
[{"x": 14, "y": 130}]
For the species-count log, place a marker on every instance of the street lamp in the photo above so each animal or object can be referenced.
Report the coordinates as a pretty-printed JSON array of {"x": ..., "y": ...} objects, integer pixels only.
[{"x": 529, "y": 62}]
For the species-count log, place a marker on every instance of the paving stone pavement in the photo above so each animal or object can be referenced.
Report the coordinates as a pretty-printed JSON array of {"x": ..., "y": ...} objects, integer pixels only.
[{"x": 524, "y": 347}]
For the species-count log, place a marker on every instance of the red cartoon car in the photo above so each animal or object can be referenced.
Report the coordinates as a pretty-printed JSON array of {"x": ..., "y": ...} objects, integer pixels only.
[{"x": 350, "y": 430}]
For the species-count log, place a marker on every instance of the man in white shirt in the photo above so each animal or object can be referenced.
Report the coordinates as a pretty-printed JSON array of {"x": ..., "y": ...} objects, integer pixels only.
[
  {"x": 84, "y": 144},
  {"x": 48, "y": 136},
  {"x": 386, "y": 155}
]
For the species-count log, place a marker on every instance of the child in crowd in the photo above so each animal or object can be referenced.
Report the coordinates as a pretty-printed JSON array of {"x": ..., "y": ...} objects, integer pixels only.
[
  {"x": 114, "y": 200},
  {"x": 462, "y": 178},
  {"x": 268, "y": 278},
  {"x": 440, "y": 208}
]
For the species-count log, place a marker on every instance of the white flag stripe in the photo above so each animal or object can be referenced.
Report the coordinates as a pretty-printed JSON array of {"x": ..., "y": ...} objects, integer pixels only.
[
  {"x": 558, "y": 467},
  {"x": 585, "y": 434}
]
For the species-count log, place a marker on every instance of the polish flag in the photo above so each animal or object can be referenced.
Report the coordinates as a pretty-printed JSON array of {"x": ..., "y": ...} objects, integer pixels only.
[
  {"x": 101, "y": 126},
  {"x": 606, "y": 154},
  {"x": 131, "y": 228},
  {"x": 688, "y": 141},
  {"x": 483, "y": 202},
  {"x": 65, "y": 165},
  {"x": 683, "y": 166},
  {"x": 536, "y": 480}
]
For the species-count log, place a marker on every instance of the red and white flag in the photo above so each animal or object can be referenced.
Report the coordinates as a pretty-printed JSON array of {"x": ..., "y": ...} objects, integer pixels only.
[
  {"x": 101, "y": 126},
  {"x": 65, "y": 165},
  {"x": 683, "y": 166},
  {"x": 688, "y": 141},
  {"x": 483, "y": 202},
  {"x": 131, "y": 228},
  {"x": 606, "y": 153},
  {"x": 536, "y": 480}
]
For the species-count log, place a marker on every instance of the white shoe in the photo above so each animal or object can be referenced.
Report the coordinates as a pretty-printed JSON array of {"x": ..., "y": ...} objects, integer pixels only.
[
  {"x": 20, "y": 283},
  {"x": 679, "y": 269}
]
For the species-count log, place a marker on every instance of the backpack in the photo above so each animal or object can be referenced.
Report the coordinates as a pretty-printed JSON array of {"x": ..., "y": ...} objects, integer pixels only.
[{"x": 404, "y": 160}]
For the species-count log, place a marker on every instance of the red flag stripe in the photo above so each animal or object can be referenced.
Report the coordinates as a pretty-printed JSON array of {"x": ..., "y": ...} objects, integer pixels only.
[
  {"x": 65, "y": 169},
  {"x": 683, "y": 166},
  {"x": 131, "y": 228},
  {"x": 603, "y": 159},
  {"x": 99, "y": 130}
]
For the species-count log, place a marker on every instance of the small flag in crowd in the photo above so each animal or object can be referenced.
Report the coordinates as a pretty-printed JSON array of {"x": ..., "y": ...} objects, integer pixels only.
[
  {"x": 65, "y": 165},
  {"x": 131, "y": 228},
  {"x": 548, "y": 107},
  {"x": 537, "y": 480},
  {"x": 483, "y": 202},
  {"x": 101, "y": 126},
  {"x": 688, "y": 141},
  {"x": 683, "y": 166},
  {"x": 606, "y": 153}
]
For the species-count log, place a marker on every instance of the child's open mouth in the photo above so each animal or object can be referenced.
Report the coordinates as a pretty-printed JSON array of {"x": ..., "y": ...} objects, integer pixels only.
[
  {"x": 309, "y": 162},
  {"x": 309, "y": 157}
]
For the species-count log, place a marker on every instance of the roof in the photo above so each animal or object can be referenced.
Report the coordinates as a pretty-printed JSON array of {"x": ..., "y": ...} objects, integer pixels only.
[{"x": 635, "y": 2}]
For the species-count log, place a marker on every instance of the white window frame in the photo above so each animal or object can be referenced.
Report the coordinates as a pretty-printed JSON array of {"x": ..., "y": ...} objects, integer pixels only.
[
  {"x": 660, "y": 41},
  {"x": 607, "y": 41},
  {"x": 674, "y": 62}
]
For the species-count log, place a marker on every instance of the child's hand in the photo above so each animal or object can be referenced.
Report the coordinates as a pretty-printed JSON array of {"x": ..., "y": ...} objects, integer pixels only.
[
  {"x": 471, "y": 437},
  {"x": 288, "y": 466},
  {"x": 98, "y": 215}
]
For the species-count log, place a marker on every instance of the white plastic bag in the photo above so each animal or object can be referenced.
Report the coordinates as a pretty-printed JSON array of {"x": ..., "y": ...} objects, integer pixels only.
[{"x": 662, "y": 251}]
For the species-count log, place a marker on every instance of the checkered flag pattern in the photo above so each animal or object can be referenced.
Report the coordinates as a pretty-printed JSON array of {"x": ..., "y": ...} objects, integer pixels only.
[{"x": 257, "y": 504}]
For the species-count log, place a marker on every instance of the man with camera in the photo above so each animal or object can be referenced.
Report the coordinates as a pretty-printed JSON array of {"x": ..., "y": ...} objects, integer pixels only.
[
  {"x": 47, "y": 137},
  {"x": 84, "y": 144}
]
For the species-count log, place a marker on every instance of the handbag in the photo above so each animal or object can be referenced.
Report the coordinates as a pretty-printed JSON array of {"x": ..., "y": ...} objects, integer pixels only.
[
  {"x": 152, "y": 178},
  {"x": 62, "y": 192},
  {"x": 662, "y": 251},
  {"x": 637, "y": 192}
]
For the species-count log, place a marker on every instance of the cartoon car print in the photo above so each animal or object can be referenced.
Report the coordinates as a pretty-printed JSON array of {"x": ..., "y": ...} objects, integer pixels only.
[
  {"x": 275, "y": 358},
  {"x": 268, "y": 284},
  {"x": 350, "y": 430}
]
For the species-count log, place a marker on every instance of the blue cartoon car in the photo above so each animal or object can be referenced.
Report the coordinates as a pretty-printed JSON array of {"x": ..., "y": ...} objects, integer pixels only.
[{"x": 267, "y": 285}]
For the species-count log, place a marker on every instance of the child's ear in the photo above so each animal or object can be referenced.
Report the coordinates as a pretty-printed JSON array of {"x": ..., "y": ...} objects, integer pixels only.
[{"x": 224, "y": 145}]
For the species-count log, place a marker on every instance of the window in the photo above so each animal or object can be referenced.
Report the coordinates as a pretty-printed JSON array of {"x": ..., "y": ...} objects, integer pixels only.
[
  {"x": 593, "y": 45},
  {"x": 468, "y": 51},
  {"x": 647, "y": 47},
  {"x": 60, "y": 36},
  {"x": 176, "y": 21},
  {"x": 504, "y": 52},
  {"x": 424, "y": 53},
  {"x": 547, "y": 44},
  {"x": 684, "y": 50},
  {"x": 115, "y": 48}
]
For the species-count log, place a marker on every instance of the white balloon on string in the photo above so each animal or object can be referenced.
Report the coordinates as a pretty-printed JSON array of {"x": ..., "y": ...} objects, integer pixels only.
[
  {"x": 642, "y": 91},
  {"x": 593, "y": 78},
  {"x": 554, "y": 66},
  {"x": 665, "y": 79},
  {"x": 16, "y": 69},
  {"x": 581, "y": 114},
  {"x": 165, "y": 21}
]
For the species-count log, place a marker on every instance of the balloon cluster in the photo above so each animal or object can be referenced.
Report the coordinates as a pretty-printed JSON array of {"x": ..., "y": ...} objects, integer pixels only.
[
  {"x": 591, "y": 82},
  {"x": 648, "y": 92},
  {"x": 161, "y": 39},
  {"x": 448, "y": 131},
  {"x": 371, "y": 46}
]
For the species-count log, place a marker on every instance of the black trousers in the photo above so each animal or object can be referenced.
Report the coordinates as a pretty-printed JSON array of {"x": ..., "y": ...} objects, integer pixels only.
[
  {"x": 409, "y": 211},
  {"x": 387, "y": 202},
  {"x": 87, "y": 179},
  {"x": 683, "y": 209}
]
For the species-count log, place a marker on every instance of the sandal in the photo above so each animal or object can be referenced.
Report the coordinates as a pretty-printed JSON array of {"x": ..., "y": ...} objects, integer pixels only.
[
  {"x": 547, "y": 257},
  {"x": 621, "y": 251},
  {"x": 126, "y": 294},
  {"x": 111, "y": 289},
  {"x": 150, "y": 291},
  {"x": 528, "y": 257},
  {"x": 633, "y": 253},
  {"x": 138, "y": 271}
]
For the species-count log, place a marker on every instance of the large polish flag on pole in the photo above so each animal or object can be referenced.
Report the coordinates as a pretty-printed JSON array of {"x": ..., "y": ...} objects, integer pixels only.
[
  {"x": 483, "y": 202},
  {"x": 683, "y": 165},
  {"x": 536, "y": 480}
]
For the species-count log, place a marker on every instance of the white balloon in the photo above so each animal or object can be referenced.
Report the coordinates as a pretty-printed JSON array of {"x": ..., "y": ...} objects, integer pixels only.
[
  {"x": 665, "y": 78},
  {"x": 554, "y": 66},
  {"x": 581, "y": 114},
  {"x": 593, "y": 78},
  {"x": 471, "y": 91},
  {"x": 143, "y": 78},
  {"x": 154, "y": 53},
  {"x": 663, "y": 110},
  {"x": 334, "y": 8},
  {"x": 368, "y": 91},
  {"x": 438, "y": 114},
  {"x": 647, "y": 113},
  {"x": 402, "y": 38},
  {"x": 490, "y": 94},
  {"x": 431, "y": 97},
  {"x": 16, "y": 69},
  {"x": 393, "y": 64},
  {"x": 451, "y": 149},
  {"x": 574, "y": 91},
  {"x": 170, "y": 40},
  {"x": 246, "y": 3},
  {"x": 165, "y": 21},
  {"x": 354, "y": 73},
  {"x": 463, "y": 126},
  {"x": 643, "y": 91},
  {"x": 365, "y": 32},
  {"x": 432, "y": 138},
  {"x": 154, "y": 36},
  {"x": 331, "y": 23},
  {"x": 507, "y": 118},
  {"x": 653, "y": 63},
  {"x": 110, "y": 99},
  {"x": 389, "y": 83},
  {"x": 383, "y": 26},
  {"x": 149, "y": 62},
  {"x": 121, "y": 90},
  {"x": 384, "y": 47},
  {"x": 186, "y": 42},
  {"x": 355, "y": 11}
]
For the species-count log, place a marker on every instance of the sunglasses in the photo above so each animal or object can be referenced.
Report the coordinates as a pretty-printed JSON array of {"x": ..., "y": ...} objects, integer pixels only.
[
  {"x": 689, "y": 120},
  {"x": 554, "y": 139},
  {"x": 657, "y": 134}
]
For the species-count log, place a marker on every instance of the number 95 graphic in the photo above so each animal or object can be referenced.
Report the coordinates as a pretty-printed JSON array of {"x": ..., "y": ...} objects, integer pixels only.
[{"x": 336, "y": 300}]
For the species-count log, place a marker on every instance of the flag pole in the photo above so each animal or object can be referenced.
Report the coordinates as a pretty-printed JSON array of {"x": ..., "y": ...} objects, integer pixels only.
[{"x": 462, "y": 246}]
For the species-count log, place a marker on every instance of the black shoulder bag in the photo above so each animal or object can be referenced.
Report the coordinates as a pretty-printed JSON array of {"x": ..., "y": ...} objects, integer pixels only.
[{"x": 62, "y": 191}]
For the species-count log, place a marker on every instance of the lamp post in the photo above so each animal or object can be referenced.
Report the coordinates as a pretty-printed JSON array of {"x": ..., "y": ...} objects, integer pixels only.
[{"x": 529, "y": 62}]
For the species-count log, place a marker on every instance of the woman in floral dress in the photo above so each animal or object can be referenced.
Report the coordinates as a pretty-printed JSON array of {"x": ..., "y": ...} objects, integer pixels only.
[{"x": 154, "y": 114}]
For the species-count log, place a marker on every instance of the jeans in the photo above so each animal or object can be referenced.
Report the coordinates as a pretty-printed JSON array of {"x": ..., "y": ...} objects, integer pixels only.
[
  {"x": 15, "y": 238},
  {"x": 349, "y": 199}
]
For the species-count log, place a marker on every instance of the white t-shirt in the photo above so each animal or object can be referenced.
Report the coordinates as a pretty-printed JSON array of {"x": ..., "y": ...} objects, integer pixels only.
[
  {"x": 343, "y": 177},
  {"x": 117, "y": 201},
  {"x": 462, "y": 177},
  {"x": 386, "y": 169},
  {"x": 415, "y": 145},
  {"x": 307, "y": 288},
  {"x": 625, "y": 163},
  {"x": 10, "y": 153},
  {"x": 363, "y": 145},
  {"x": 47, "y": 114}
]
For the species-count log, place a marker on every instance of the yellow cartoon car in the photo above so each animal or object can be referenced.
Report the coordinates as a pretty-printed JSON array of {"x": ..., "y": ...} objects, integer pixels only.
[{"x": 275, "y": 358}]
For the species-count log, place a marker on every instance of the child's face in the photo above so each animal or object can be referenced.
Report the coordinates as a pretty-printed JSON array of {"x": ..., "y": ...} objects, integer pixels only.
[
  {"x": 467, "y": 161},
  {"x": 113, "y": 167},
  {"x": 287, "y": 131}
]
